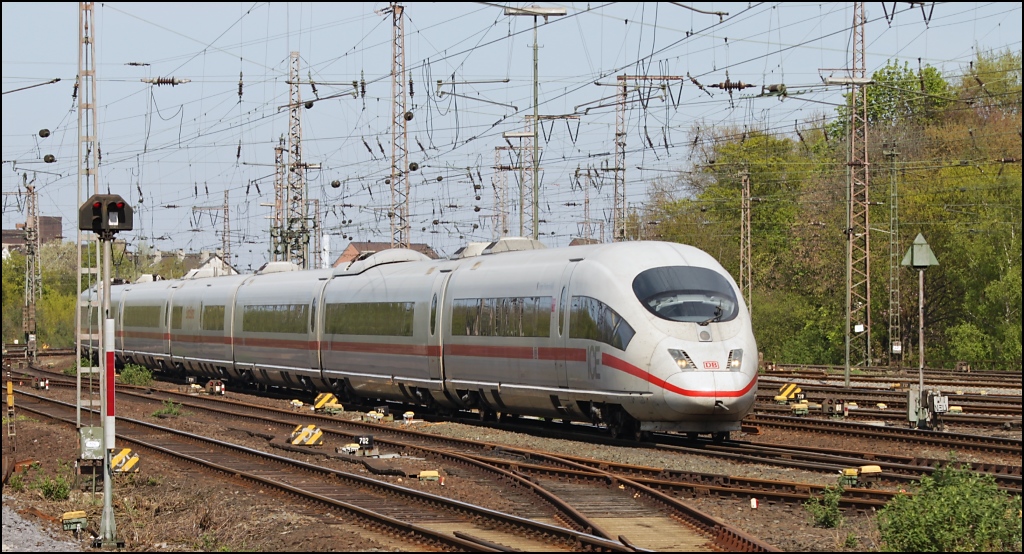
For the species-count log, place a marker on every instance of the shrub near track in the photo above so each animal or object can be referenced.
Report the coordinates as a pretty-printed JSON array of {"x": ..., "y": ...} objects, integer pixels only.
[
  {"x": 137, "y": 375},
  {"x": 953, "y": 510}
]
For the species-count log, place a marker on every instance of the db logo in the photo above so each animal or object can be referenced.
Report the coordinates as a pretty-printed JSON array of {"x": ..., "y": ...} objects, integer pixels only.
[{"x": 710, "y": 365}]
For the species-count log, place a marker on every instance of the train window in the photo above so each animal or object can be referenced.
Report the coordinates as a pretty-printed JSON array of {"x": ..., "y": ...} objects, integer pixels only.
[
  {"x": 213, "y": 318},
  {"x": 528, "y": 316},
  {"x": 176, "y": 317},
  {"x": 433, "y": 315},
  {"x": 593, "y": 320},
  {"x": 142, "y": 316},
  {"x": 392, "y": 319},
  {"x": 275, "y": 318},
  {"x": 680, "y": 293}
]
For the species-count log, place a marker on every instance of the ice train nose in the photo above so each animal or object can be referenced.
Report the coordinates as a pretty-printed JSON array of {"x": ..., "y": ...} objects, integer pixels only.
[{"x": 709, "y": 393}]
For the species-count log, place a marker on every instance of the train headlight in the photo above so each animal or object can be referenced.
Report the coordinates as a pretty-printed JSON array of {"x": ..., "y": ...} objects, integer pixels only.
[
  {"x": 735, "y": 359},
  {"x": 682, "y": 360}
]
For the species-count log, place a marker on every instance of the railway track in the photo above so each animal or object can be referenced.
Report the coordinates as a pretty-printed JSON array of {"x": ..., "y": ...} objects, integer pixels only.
[
  {"x": 768, "y": 390},
  {"x": 954, "y": 441},
  {"x": 897, "y": 469},
  {"x": 1008, "y": 420},
  {"x": 567, "y": 469},
  {"x": 615, "y": 513},
  {"x": 427, "y": 520},
  {"x": 885, "y": 378}
]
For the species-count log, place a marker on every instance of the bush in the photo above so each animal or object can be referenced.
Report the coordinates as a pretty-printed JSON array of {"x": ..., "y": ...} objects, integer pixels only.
[
  {"x": 825, "y": 509},
  {"x": 954, "y": 510},
  {"x": 137, "y": 375},
  {"x": 170, "y": 409},
  {"x": 16, "y": 482},
  {"x": 72, "y": 370},
  {"x": 57, "y": 488}
]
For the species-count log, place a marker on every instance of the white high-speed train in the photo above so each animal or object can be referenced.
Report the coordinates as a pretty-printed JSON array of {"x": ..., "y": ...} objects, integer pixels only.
[{"x": 640, "y": 336}]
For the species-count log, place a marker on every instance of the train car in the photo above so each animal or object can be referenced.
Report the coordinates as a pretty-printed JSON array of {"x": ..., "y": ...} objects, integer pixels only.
[{"x": 638, "y": 336}]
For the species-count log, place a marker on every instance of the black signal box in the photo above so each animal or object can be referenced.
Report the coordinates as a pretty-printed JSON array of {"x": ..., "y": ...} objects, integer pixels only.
[{"x": 105, "y": 212}]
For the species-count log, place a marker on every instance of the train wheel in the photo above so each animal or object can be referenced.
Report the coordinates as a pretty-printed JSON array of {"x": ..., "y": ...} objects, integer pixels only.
[
  {"x": 623, "y": 426},
  {"x": 488, "y": 415}
]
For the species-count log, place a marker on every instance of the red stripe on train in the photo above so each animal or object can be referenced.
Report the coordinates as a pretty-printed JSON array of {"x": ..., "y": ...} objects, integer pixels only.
[
  {"x": 626, "y": 367},
  {"x": 479, "y": 351}
]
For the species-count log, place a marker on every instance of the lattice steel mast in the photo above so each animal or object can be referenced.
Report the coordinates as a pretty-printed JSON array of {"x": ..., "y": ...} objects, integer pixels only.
[
  {"x": 859, "y": 236},
  {"x": 499, "y": 181},
  {"x": 225, "y": 248},
  {"x": 33, "y": 269},
  {"x": 297, "y": 217},
  {"x": 277, "y": 242},
  {"x": 619, "y": 170},
  {"x": 895, "y": 327},
  {"x": 87, "y": 329},
  {"x": 746, "y": 283},
  {"x": 399, "y": 214}
]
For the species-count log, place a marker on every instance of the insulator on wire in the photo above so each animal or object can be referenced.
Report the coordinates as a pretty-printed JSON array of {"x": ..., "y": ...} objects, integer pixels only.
[
  {"x": 731, "y": 85},
  {"x": 166, "y": 81}
]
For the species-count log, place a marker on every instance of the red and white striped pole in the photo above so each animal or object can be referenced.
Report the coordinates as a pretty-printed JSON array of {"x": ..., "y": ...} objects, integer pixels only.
[
  {"x": 108, "y": 377},
  {"x": 108, "y": 528}
]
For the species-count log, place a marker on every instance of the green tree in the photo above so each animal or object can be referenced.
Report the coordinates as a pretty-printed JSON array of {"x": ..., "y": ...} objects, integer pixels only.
[
  {"x": 992, "y": 82},
  {"x": 954, "y": 510},
  {"x": 899, "y": 96},
  {"x": 13, "y": 296}
]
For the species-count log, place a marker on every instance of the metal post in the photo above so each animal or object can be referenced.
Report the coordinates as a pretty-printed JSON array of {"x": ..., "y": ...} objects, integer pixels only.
[
  {"x": 108, "y": 529},
  {"x": 920, "y": 257},
  {"x": 522, "y": 176},
  {"x": 536, "y": 125},
  {"x": 535, "y": 11},
  {"x": 849, "y": 281},
  {"x": 920, "y": 327}
]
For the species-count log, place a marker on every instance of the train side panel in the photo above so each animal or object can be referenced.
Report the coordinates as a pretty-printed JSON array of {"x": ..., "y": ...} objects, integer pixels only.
[
  {"x": 272, "y": 329},
  {"x": 201, "y": 312},
  {"x": 501, "y": 348},
  {"x": 144, "y": 323},
  {"x": 375, "y": 332}
]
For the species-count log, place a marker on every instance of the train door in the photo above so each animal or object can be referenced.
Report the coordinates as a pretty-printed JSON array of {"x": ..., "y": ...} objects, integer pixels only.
[
  {"x": 315, "y": 327},
  {"x": 232, "y": 329},
  {"x": 165, "y": 334},
  {"x": 562, "y": 322},
  {"x": 436, "y": 326}
]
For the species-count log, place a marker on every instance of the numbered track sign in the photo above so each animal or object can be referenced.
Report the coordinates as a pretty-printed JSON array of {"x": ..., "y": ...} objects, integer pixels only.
[{"x": 365, "y": 442}]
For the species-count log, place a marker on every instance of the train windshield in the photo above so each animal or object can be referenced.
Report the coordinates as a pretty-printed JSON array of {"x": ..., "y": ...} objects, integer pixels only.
[{"x": 691, "y": 294}]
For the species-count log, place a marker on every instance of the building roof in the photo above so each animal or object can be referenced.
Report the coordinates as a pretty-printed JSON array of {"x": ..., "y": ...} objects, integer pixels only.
[{"x": 355, "y": 250}]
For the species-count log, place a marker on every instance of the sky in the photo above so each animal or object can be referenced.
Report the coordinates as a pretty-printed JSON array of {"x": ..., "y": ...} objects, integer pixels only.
[{"x": 173, "y": 151}]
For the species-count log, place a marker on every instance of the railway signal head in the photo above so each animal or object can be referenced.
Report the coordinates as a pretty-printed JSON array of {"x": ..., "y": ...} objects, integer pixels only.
[{"x": 105, "y": 213}]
